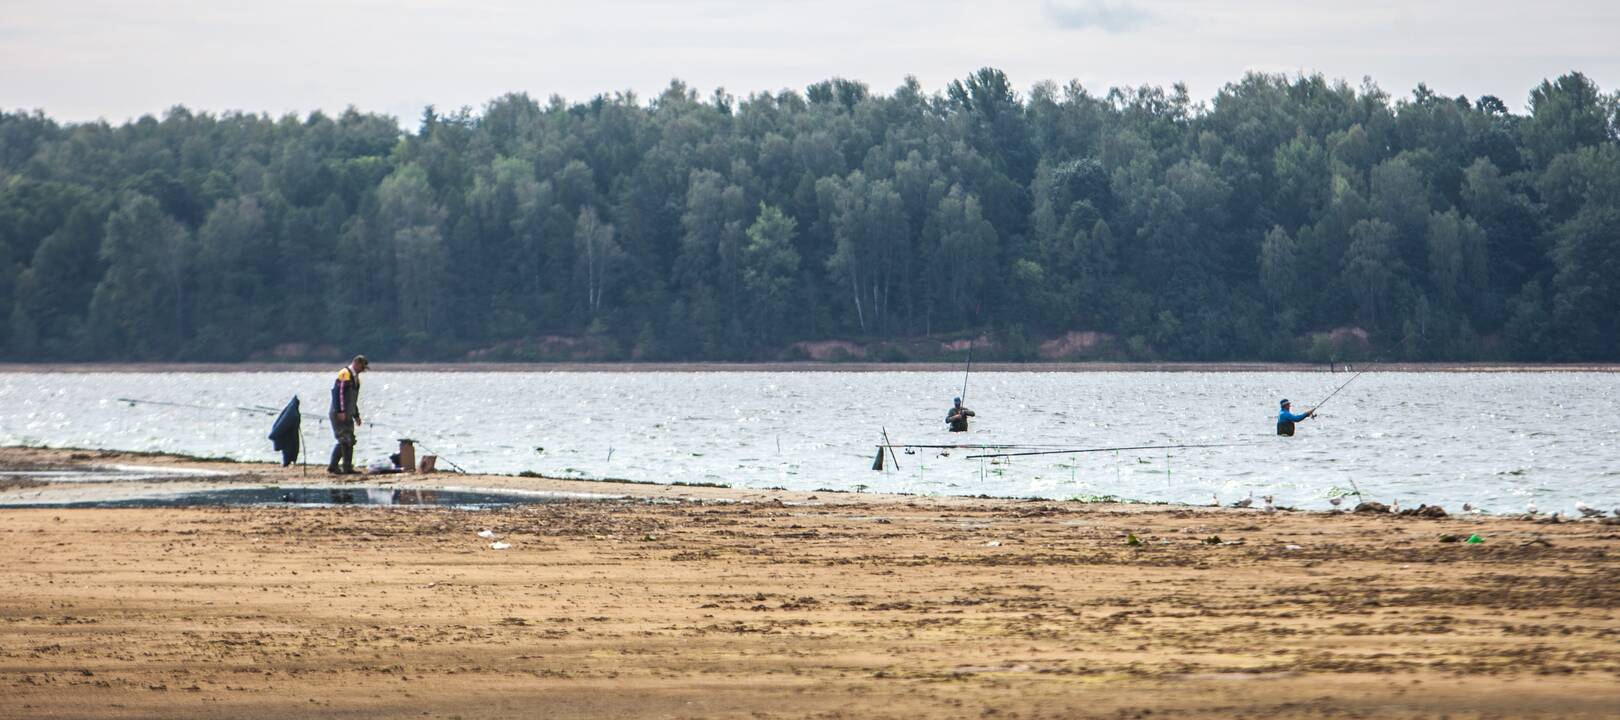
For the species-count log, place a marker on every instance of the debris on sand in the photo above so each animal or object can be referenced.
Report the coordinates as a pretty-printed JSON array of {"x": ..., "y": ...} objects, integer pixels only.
[
  {"x": 1372, "y": 507},
  {"x": 1425, "y": 511}
]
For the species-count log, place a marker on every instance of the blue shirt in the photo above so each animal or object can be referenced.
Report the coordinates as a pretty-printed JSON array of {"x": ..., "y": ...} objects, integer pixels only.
[{"x": 1288, "y": 417}]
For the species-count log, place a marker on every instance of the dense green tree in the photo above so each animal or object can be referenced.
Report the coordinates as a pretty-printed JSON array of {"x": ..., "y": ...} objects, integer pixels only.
[
  {"x": 1279, "y": 266},
  {"x": 1510, "y": 220},
  {"x": 413, "y": 241},
  {"x": 234, "y": 300},
  {"x": 869, "y": 230},
  {"x": 138, "y": 310},
  {"x": 1587, "y": 262},
  {"x": 1457, "y": 270},
  {"x": 598, "y": 255},
  {"x": 770, "y": 271},
  {"x": 701, "y": 225},
  {"x": 1565, "y": 115},
  {"x": 964, "y": 243},
  {"x": 1373, "y": 271}
]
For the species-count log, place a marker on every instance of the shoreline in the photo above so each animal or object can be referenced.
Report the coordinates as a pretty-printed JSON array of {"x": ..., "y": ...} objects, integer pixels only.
[
  {"x": 225, "y": 473},
  {"x": 699, "y": 602},
  {"x": 807, "y": 367}
]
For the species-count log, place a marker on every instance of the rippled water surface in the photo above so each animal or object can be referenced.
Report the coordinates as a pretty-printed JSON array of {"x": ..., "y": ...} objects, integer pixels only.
[{"x": 1497, "y": 440}]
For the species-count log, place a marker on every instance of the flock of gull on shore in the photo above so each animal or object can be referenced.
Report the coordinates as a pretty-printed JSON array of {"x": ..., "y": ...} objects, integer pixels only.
[{"x": 1268, "y": 505}]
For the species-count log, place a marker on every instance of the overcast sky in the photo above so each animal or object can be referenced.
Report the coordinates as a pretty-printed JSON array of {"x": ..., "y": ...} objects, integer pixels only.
[{"x": 118, "y": 59}]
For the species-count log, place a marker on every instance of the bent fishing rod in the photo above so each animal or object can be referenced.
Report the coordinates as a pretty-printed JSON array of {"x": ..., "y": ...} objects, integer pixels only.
[{"x": 1077, "y": 451}]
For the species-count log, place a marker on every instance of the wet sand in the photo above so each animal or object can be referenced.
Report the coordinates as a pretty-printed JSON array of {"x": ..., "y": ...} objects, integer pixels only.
[{"x": 710, "y": 602}]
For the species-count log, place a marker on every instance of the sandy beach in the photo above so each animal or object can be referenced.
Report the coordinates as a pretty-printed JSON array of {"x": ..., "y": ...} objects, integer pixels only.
[{"x": 696, "y": 602}]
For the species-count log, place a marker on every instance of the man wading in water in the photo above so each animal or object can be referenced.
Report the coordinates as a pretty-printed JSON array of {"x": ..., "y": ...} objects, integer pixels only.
[
  {"x": 345, "y": 415},
  {"x": 1286, "y": 419},
  {"x": 958, "y": 415}
]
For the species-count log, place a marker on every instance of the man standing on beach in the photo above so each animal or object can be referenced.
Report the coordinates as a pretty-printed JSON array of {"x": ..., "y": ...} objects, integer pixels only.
[
  {"x": 345, "y": 415},
  {"x": 1286, "y": 419},
  {"x": 958, "y": 416}
]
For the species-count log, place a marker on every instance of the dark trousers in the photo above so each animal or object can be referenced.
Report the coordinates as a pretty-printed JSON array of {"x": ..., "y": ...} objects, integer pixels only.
[{"x": 343, "y": 452}]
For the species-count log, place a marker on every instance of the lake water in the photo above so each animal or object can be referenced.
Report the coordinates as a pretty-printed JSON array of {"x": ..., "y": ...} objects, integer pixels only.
[{"x": 1497, "y": 440}]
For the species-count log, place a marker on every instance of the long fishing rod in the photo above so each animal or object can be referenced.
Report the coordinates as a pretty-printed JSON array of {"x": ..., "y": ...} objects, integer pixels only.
[
  {"x": 250, "y": 409},
  {"x": 1106, "y": 449},
  {"x": 255, "y": 410},
  {"x": 968, "y": 371},
  {"x": 1346, "y": 384},
  {"x": 271, "y": 412}
]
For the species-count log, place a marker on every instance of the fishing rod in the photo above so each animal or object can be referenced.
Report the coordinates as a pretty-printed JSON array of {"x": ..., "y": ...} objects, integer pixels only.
[
  {"x": 272, "y": 412},
  {"x": 255, "y": 410},
  {"x": 972, "y": 446},
  {"x": 888, "y": 446},
  {"x": 1346, "y": 384},
  {"x": 250, "y": 409},
  {"x": 1106, "y": 449},
  {"x": 968, "y": 371},
  {"x": 429, "y": 451}
]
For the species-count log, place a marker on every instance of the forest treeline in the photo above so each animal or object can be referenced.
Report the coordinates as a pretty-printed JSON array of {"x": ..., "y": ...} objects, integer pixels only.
[{"x": 1286, "y": 218}]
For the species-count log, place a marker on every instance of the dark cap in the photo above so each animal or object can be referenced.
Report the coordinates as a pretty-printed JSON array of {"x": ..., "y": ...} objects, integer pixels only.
[{"x": 360, "y": 362}]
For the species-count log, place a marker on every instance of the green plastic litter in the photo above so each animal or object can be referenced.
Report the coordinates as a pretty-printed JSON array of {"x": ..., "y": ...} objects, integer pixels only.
[{"x": 1474, "y": 540}]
